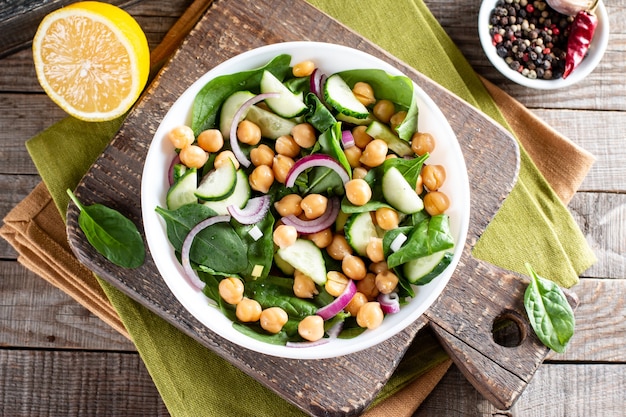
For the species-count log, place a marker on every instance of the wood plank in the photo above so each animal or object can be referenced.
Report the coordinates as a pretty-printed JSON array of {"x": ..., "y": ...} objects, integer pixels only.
[
  {"x": 37, "y": 315},
  {"x": 601, "y": 217},
  {"x": 598, "y": 392},
  {"x": 75, "y": 383}
]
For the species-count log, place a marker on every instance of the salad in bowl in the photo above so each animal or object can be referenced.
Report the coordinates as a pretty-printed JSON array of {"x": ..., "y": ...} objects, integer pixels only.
[{"x": 305, "y": 200}]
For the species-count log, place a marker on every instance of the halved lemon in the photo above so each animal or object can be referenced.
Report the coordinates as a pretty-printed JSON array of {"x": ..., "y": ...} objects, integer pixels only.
[{"x": 92, "y": 59}]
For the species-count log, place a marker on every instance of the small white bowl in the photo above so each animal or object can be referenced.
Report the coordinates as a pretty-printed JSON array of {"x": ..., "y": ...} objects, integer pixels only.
[{"x": 589, "y": 63}]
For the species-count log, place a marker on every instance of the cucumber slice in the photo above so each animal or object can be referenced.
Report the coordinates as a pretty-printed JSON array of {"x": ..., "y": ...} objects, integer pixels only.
[
  {"x": 399, "y": 193},
  {"x": 229, "y": 108},
  {"x": 286, "y": 268},
  {"x": 238, "y": 198},
  {"x": 340, "y": 97},
  {"x": 219, "y": 183},
  {"x": 379, "y": 130},
  {"x": 183, "y": 191},
  {"x": 287, "y": 104},
  {"x": 359, "y": 229},
  {"x": 307, "y": 258},
  {"x": 178, "y": 171},
  {"x": 272, "y": 125},
  {"x": 422, "y": 270}
]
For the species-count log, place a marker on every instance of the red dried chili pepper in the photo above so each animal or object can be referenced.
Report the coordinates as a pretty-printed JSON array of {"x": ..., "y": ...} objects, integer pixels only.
[{"x": 580, "y": 36}]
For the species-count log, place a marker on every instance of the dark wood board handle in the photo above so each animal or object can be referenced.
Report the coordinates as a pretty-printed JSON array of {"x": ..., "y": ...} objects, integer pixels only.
[{"x": 492, "y": 158}]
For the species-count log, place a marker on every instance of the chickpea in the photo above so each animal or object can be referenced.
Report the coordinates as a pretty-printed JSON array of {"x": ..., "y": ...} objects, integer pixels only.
[
  {"x": 436, "y": 202},
  {"x": 273, "y": 319},
  {"x": 433, "y": 176},
  {"x": 248, "y": 132},
  {"x": 248, "y": 310},
  {"x": 419, "y": 185},
  {"x": 261, "y": 178},
  {"x": 193, "y": 156},
  {"x": 211, "y": 140},
  {"x": 285, "y": 236},
  {"x": 322, "y": 238},
  {"x": 383, "y": 110},
  {"x": 314, "y": 205},
  {"x": 367, "y": 286},
  {"x": 311, "y": 328},
  {"x": 357, "y": 301},
  {"x": 361, "y": 138},
  {"x": 289, "y": 204},
  {"x": 370, "y": 315},
  {"x": 303, "y": 285},
  {"x": 339, "y": 247},
  {"x": 422, "y": 143},
  {"x": 364, "y": 93},
  {"x": 353, "y": 267},
  {"x": 303, "y": 68},
  {"x": 386, "y": 281},
  {"x": 397, "y": 119},
  {"x": 353, "y": 154},
  {"x": 285, "y": 145},
  {"x": 282, "y": 165},
  {"x": 358, "y": 192},
  {"x": 262, "y": 155},
  {"x": 181, "y": 136},
  {"x": 231, "y": 290},
  {"x": 304, "y": 135},
  {"x": 374, "y": 249},
  {"x": 359, "y": 173},
  {"x": 378, "y": 267},
  {"x": 374, "y": 153},
  {"x": 335, "y": 283},
  {"x": 387, "y": 218},
  {"x": 220, "y": 158}
]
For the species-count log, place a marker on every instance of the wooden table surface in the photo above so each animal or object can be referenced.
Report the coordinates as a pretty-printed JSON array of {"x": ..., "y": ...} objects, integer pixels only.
[{"x": 73, "y": 364}]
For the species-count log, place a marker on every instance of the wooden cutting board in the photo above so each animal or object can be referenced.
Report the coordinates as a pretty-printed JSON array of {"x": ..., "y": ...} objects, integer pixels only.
[{"x": 462, "y": 318}]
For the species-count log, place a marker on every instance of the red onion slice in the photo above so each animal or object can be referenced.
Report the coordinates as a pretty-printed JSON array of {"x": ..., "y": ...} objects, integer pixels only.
[
  {"x": 254, "y": 211},
  {"x": 339, "y": 303},
  {"x": 308, "y": 227},
  {"x": 239, "y": 114},
  {"x": 184, "y": 252},
  {"x": 315, "y": 160},
  {"x": 307, "y": 343},
  {"x": 347, "y": 140},
  {"x": 315, "y": 82},
  {"x": 170, "y": 171},
  {"x": 389, "y": 303}
]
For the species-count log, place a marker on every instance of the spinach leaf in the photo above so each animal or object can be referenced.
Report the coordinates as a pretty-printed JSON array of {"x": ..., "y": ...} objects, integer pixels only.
[
  {"x": 277, "y": 291},
  {"x": 330, "y": 142},
  {"x": 207, "y": 102},
  {"x": 430, "y": 236},
  {"x": 550, "y": 314},
  {"x": 259, "y": 252},
  {"x": 396, "y": 88},
  {"x": 318, "y": 114},
  {"x": 114, "y": 236},
  {"x": 409, "y": 168},
  {"x": 218, "y": 247}
]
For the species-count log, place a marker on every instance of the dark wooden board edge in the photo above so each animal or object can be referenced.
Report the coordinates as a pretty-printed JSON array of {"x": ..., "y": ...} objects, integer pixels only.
[{"x": 111, "y": 182}]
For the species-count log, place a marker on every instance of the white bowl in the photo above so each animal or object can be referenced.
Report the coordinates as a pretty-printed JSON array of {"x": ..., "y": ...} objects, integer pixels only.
[
  {"x": 596, "y": 51},
  {"x": 331, "y": 58}
]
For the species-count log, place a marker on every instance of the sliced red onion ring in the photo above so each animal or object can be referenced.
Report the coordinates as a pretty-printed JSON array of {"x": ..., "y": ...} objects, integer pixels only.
[
  {"x": 239, "y": 114},
  {"x": 308, "y": 227},
  {"x": 389, "y": 303},
  {"x": 315, "y": 82},
  {"x": 339, "y": 303},
  {"x": 347, "y": 140},
  {"x": 315, "y": 160},
  {"x": 170, "y": 171},
  {"x": 254, "y": 211},
  {"x": 184, "y": 252},
  {"x": 307, "y": 344}
]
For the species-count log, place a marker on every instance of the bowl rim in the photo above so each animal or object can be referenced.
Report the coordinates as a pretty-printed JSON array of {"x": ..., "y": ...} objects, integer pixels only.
[
  {"x": 597, "y": 49},
  {"x": 154, "y": 224}
]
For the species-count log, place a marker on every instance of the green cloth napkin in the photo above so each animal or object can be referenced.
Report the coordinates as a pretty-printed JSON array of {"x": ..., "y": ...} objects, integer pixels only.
[{"x": 531, "y": 226}]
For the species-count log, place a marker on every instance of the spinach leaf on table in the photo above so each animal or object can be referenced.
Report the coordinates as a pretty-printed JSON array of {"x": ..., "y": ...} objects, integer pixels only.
[
  {"x": 550, "y": 315},
  {"x": 217, "y": 247},
  {"x": 114, "y": 236}
]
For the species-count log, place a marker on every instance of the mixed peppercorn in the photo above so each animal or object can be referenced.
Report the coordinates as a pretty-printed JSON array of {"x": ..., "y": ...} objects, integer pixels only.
[{"x": 531, "y": 37}]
